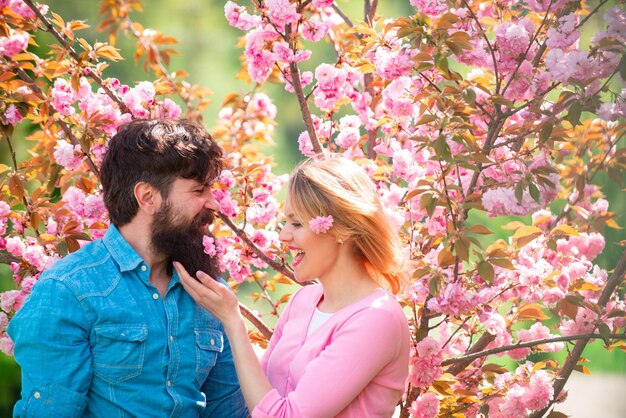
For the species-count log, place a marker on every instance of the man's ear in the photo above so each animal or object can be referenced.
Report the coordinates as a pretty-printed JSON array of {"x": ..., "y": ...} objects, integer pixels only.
[{"x": 148, "y": 197}]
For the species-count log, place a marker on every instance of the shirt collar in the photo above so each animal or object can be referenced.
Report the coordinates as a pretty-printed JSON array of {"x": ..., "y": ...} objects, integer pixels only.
[{"x": 121, "y": 251}]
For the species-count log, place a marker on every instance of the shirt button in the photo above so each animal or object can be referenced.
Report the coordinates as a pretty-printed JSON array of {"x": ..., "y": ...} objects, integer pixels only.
[
  {"x": 144, "y": 268},
  {"x": 171, "y": 338},
  {"x": 212, "y": 341},
  {"x": 37, "y": 395},
  {"x": 155, "y": 296},
  {"x": 169, "y": 383}
]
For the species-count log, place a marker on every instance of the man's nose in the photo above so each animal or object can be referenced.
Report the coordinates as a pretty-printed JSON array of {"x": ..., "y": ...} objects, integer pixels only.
[{"x": 211, "y": 202}]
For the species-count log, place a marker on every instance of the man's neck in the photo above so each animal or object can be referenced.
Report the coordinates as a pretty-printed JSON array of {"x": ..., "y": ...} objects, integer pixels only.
[{"x": 137, "y": 234}]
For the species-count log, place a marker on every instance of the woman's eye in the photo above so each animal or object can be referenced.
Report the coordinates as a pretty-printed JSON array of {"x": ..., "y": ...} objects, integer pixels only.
[{"x": 296, "y": 224}]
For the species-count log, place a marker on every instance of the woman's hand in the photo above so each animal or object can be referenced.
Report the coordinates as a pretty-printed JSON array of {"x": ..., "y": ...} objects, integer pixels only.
[{"x": 212, "y": 295}]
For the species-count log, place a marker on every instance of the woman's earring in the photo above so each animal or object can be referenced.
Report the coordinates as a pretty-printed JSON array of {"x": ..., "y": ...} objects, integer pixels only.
[{"x": 340, "y": 241}]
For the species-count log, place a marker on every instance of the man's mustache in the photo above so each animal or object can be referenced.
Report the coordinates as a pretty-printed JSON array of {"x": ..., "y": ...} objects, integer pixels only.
[{"x": 205, "y": 217}]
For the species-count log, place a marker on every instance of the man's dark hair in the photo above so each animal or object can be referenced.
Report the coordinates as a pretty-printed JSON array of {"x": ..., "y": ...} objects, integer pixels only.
[{"x": 155, "y": 151}]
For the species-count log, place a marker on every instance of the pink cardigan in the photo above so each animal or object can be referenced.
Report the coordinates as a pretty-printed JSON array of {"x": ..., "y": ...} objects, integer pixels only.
[{"x": 353, "y": 365}]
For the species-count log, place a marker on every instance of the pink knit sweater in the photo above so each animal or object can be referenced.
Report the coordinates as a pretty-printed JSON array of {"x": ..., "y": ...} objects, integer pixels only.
[{"x": 353, "y": 365}]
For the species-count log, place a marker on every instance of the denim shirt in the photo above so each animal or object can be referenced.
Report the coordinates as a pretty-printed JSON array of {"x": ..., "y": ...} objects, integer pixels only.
[{"x": 95, "y": 339}]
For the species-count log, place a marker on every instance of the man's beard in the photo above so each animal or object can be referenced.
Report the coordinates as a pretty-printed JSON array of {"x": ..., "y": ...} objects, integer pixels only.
[{"x": 181, "y": 240}]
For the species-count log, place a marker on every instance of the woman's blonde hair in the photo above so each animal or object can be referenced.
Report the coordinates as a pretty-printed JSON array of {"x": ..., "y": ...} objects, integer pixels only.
[{"x": 339, "y": 187}]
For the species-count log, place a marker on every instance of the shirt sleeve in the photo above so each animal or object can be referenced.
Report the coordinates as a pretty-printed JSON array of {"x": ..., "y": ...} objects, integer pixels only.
[
  {"x": 359, "y": 350},
  {"x": 50, "y": 334},
  {"x": 221, "y": 388}
]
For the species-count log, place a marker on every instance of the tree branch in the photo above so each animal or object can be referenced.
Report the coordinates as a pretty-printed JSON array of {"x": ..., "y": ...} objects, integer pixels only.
[
  {"x": 74, "y": 55},
  {"x": 572, "y": 359},
  {"x": 527, "y": 344},
  {"x": 241, "y": 234},
  {"x": 256, "y": 321}
]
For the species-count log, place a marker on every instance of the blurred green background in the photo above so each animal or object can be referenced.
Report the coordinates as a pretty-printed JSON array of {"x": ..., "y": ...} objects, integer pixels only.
[{"x": 209, "y": 54}]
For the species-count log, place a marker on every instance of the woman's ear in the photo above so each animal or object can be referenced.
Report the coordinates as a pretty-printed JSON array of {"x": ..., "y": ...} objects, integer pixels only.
[{"x": 148, "y": 197}]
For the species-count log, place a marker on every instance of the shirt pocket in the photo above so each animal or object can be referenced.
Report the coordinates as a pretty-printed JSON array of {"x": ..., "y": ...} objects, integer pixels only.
[
  {"x": 209, "y": 343},
  {"x": 118, "y": 354}
]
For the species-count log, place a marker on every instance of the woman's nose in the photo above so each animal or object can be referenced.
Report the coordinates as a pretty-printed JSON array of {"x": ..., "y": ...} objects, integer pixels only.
[{"x": 284, "y": 235}]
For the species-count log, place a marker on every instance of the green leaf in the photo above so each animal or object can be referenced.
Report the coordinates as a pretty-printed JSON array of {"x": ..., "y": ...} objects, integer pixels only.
[
  {"x": 534, "y": 192},
  {"x": 485, "y": 269},
  {"x": 605, "y": 332},
  {"x": 519, "y": 192},
  {"x": 622, "y": 67},
  {"x": 573, "y": 116}
]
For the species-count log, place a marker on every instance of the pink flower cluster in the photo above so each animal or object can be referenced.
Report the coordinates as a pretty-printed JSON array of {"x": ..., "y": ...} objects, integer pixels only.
[
  {"x": 426, "y": 363},
  {"x": 68, "y": 155},
  {"x": 430, "y": 7},
  {"x": 321, "y": 224},
  {"x": 523, "y": 396},
  {"x": 13, "y": 44},
  {"x": 425, "y": 406},
  {"x": 12, "y": 115}
]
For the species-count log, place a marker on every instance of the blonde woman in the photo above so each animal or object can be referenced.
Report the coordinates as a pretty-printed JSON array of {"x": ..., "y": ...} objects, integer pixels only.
[{"x": 341, "y": 347}]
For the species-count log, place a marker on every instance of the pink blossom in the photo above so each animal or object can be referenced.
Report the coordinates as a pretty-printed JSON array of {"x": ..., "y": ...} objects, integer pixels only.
[
  {"x": 260, "y": 104},
  {"x": 615, "y": 18},
  {"x": 226, "y": 179},
  {"x": 5, "y": 209},
  {"x": 348, "y": 137},
  {"x": 6, "y": 345},
  {"x": 239, "y": 18},
  {"x": 138, "y": 98},
  {"x": 281, "y": 12},
  {"x": 12, "y": 300},
  {"x": 332, "y": 85},
  {"x": 228, "y": 205},
  {"x": 539, "y": 391},
  {"x": 304, "y": 144},
  {"x": 565, "y": 33},
  {"x": 430, "y": 7},
  {"x": 305, "y": 79},
  {"x": 398, "y": 98},
  {"x": 393, "y": 64},
  {"x": 512, "y": 41},
  {"x": 14, "y": 44},
  {"x": 22, "y": 9},
  {"x": 425, "y": 406},
  {"x": 321, "y": 224},
  {"x": 168, "y": 109},
  {"x": 588, "y": 245},
  {"x": 258, "y": 53},
  {"x": 75, "y": 199},
  {"x": 68, "y": 155},
  {"x": 314, "y": 30},
  {"x": 454, "y": 300},
  {"x": 15, "y": 246},
  {"x": 63, "y": 97},
  {"x": 584, "y": 323},
  {"x": 544, "y": 5},
  {"x": 320, "y": 4},
  {"x": 93, "y": 207},
  {"x": 426, "y": 364},
  {"x": 209, "y": 245},
  {"x": 262, "y": 213},
  {"x": 12, "y": 115},
  {"x": 36, "y": 256}
]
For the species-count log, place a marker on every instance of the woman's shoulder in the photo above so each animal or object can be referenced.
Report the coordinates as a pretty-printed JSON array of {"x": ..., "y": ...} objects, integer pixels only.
[
  {"x": 307, "y": 294},
  {"x": 380, "y": 307}
]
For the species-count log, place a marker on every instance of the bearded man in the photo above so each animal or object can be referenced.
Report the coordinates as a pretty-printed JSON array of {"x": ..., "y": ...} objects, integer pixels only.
[{"x": 108, "y": 331}]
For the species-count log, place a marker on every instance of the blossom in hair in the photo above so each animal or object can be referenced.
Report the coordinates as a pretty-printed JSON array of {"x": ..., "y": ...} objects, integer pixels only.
[{"x": 321, "y": 224}]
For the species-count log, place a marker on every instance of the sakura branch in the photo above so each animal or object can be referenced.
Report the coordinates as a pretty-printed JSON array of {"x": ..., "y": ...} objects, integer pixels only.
[{"x": 73, "y": 54}]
